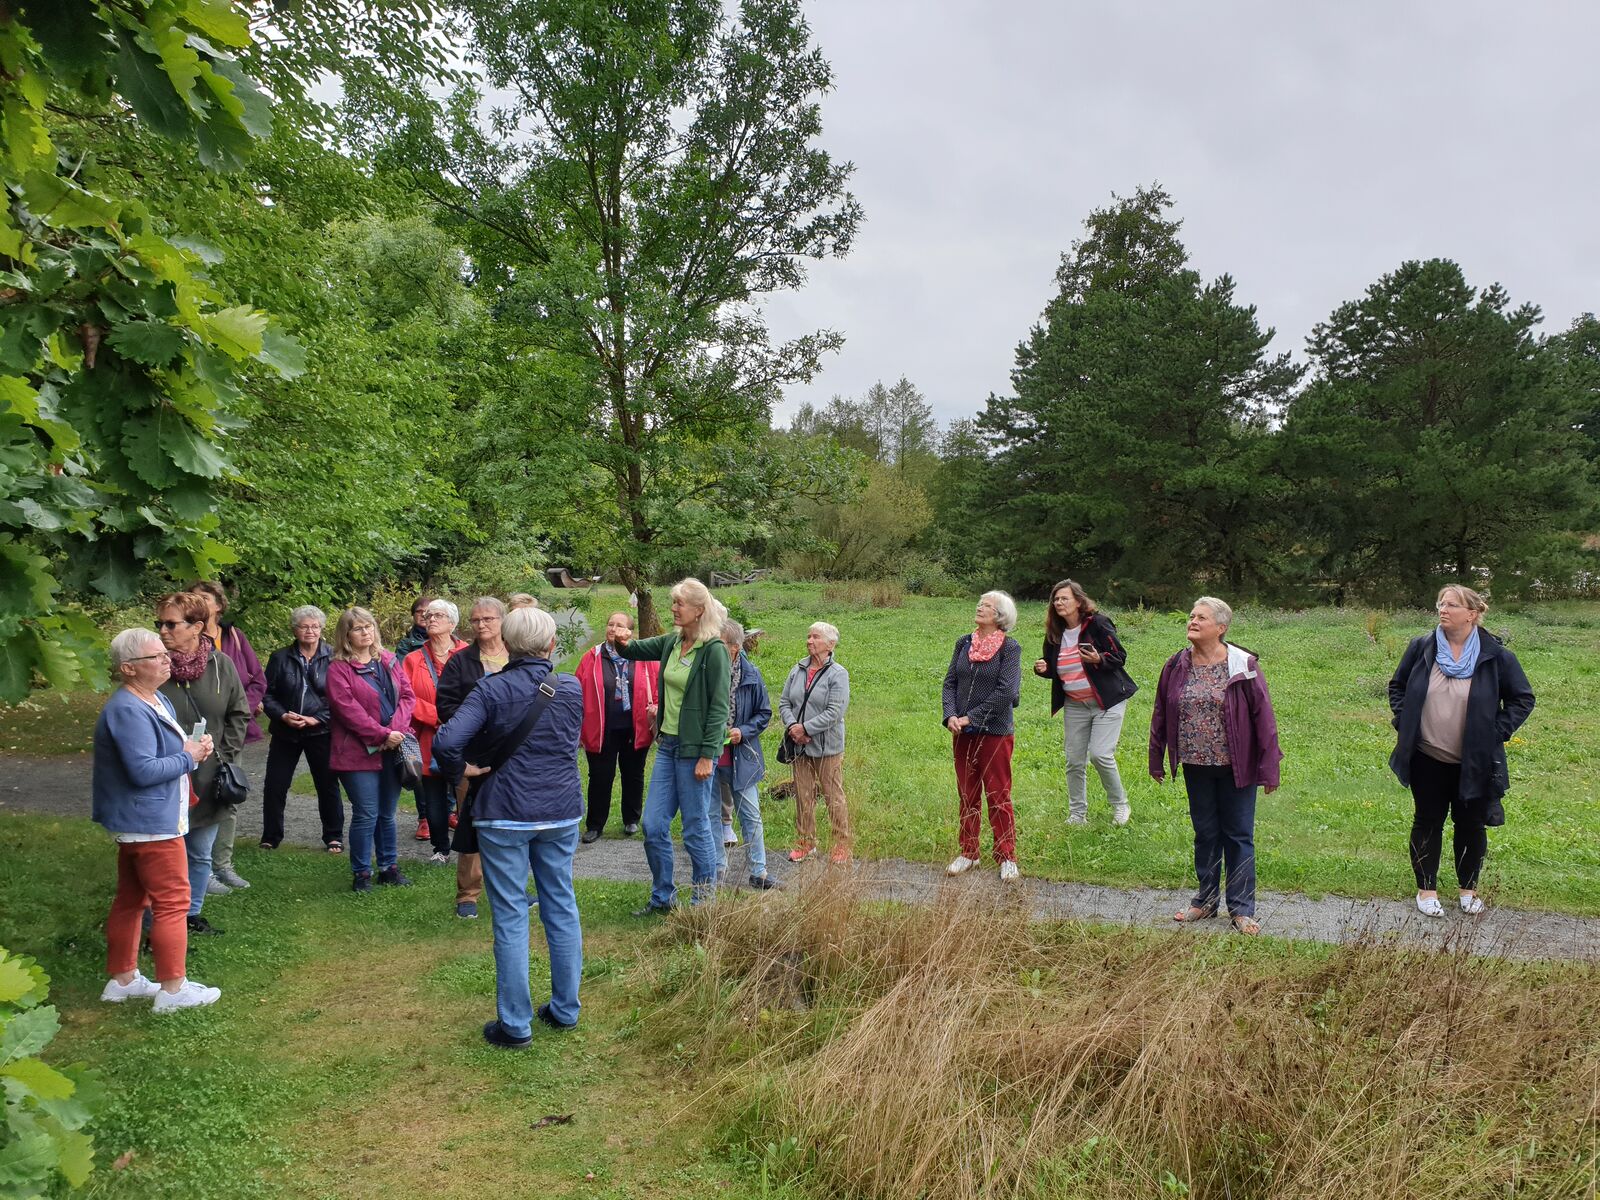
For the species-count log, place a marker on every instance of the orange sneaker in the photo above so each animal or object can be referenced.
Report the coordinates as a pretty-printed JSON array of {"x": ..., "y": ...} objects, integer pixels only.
[
  {"x": 801, "y": 853},
  {"x": 839, "y": 856},
  {"x": 423, "y": 833}
]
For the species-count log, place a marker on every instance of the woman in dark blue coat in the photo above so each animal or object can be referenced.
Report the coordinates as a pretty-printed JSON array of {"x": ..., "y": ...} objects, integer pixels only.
[
  {"x": 1458, "y": 695},
  {"x": 742, "y": 765}
]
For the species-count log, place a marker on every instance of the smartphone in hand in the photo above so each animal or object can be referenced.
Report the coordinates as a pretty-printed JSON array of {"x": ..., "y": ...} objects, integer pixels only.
[{"x": 199, "y": 730}]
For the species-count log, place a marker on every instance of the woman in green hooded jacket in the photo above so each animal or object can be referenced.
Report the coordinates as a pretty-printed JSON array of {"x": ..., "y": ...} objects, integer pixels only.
[{"x": 691, "y": 726}]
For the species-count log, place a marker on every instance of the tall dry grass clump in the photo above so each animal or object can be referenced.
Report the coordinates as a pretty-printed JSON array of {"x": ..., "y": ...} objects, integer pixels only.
[{"x": 959, "y": 1050}]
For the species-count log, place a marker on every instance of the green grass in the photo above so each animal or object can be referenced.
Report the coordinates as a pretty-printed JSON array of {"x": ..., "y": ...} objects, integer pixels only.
[
  {"x": 1338, "y": 825},
  {"x": 344, "y": 1058}
]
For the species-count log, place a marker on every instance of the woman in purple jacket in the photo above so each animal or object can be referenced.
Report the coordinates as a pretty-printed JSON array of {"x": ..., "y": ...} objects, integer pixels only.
[
  {"x": 369, "y": 701},
  {"x": 1214, "y": 716}
]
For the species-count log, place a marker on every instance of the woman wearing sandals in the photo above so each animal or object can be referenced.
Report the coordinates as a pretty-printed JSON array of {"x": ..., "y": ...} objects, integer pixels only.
[
  {"x": 981, "y": 688},
  {"x": 1458, "y": 695},
  {"x": 1213, "y": 715},
  {"x": 1084, "y": 662}
]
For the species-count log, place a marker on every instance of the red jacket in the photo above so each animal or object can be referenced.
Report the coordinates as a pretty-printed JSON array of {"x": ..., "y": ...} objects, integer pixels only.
[
  {"x": 646, "y": 691},
  {"x": 424, "y": 710},
  {"x": 355, "y": 724}
]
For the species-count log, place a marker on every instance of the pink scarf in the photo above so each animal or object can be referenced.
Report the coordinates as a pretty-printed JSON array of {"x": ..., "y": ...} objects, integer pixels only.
[
  {"x": 986, "y": 645},
  {"x": 186, "y": 668}
]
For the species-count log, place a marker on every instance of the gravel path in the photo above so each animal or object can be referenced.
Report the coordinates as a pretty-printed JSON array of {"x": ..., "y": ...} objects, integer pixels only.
[{"x": 60, "y": 786}]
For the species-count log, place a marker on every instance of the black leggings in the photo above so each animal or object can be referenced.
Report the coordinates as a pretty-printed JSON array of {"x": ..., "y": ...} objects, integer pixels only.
[{"x": 1436, "y": 788}]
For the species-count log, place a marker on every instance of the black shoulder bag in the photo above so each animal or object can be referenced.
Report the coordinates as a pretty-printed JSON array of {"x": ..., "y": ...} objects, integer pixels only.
[
  {"x": 788, "y": 748},
  {"x": 229, "y": 786}
]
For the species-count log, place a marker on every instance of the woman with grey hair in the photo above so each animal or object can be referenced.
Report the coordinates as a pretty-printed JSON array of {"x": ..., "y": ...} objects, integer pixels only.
[
  {"x": 423, "y": 668},
  {"x": 296, "y": 704},
  {"x": 1213, "y": 716},
  {"x": 143, "y": 760},
  {"x": 981, "y": 687},
  {"x": 742, "y": 765},
  {"x": 812, "y": 707},
  {"x": 517, "y": 733}
]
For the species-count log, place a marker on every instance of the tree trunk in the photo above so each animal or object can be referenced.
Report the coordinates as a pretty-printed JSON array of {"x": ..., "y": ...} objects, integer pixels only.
[{"x": 646, "y": 623}]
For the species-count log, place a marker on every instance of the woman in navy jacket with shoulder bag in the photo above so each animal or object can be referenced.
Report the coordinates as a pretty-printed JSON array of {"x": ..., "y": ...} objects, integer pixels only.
[
  {"x": 1083, "y": 660},
  {"x": 1457, "y": 696},
  {"x": 526, "y": 814}
]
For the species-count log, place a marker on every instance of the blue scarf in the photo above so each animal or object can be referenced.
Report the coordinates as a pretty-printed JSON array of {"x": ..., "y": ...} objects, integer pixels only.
[
  {"x": 623, "y": 674},
  {"x": 1456, "y": 668}
]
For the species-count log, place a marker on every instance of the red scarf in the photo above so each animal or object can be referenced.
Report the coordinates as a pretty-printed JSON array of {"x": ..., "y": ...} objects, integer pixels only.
[
  {"x": 986, "y": 645},
  {"x": 186, "y": 668}
]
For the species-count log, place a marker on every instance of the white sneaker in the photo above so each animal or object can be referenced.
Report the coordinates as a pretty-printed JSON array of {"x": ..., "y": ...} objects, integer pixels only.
[
  {"x": 1470, "y": 904},
  {"x": 959, "y": 864},
  {"x": 1429, "y": 906},
  {"x": 438, "y": 858},
  {"x": 137, "y": 988},
  {"x": 1009, "y": 872},
  {"x": 729, "y": 837},
  {"x": 189, "y": 995},
  {"x": 1119, "y": 816},
  {"x": 1076, "y": 820}
]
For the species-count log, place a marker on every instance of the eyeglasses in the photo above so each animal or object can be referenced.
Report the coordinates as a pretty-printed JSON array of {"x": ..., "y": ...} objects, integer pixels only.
[
  {"x": 148, "y": 657},
  {"x": 308, "y": 628},
  {"x": 433, "y": 616},
  {"x": 173, "y": 624},
  {"x": 1444, "y": 604},
  {"x": 482, "y": 620}
]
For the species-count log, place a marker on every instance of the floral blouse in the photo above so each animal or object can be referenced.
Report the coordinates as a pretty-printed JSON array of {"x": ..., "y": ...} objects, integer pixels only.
[{"x": 1202, "y": 735}]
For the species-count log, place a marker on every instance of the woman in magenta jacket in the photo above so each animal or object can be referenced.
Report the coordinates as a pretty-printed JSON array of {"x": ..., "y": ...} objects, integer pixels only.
[
  {"x": 370, "y": 701},
  {"x": 619, "y": 723},
  {"x": 1213, "y": 716}
]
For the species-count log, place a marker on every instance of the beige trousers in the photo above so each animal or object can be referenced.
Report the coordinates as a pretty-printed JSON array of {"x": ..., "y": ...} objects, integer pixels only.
[{"x": 827, "y": 776}]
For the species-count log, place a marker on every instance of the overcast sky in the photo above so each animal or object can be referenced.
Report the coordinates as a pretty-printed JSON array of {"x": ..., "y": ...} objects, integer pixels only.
[{"x": 1308, "y": 148}]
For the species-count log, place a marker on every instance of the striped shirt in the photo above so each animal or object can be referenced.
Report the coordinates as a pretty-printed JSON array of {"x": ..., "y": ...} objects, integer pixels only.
[{"x": 1069, "y": 666}]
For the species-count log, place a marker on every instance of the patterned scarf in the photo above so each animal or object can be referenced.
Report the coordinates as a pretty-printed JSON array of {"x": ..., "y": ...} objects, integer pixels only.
[
  {"x": 733, "y": 687},
  {"x": 619, "y": 670},
  {"x": 986, "y": 645},
  {"x": 186, "y": 668},
  {"x": 1453, "y": 667}
]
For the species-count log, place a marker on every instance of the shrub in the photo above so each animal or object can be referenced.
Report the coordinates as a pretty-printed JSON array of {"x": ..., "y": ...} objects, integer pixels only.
[
  {"x": 925, "y": 576},
  {"x": 42, "y": 1142},
  {"x": 882, "y": 593}
]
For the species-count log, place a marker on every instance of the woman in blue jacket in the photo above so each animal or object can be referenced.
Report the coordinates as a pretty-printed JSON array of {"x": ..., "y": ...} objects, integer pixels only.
[
  {"x": 742, "y": 765},
  {"x": 526, "y": 812},
  {"x": 143, "y": 761},
  {"x": 1457, "y": 696}
]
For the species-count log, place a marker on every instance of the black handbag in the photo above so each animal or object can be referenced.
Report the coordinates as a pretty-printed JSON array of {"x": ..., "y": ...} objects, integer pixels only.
[
  {"x": 408, "y": 761},
  {"x": 231, "y": 786},
  {"x": 788, "y": 749}
]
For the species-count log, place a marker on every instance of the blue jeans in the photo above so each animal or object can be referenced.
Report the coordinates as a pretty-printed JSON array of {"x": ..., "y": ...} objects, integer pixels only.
[
  {"x": 197, "y": 844},
  {"x": 507, "y": 854},
  {"x": 1224, "y": 819},
  {"x": 374, "y": 796},
  {"x": 675, "y": 791},
  {"x": 747, "y": 804}
]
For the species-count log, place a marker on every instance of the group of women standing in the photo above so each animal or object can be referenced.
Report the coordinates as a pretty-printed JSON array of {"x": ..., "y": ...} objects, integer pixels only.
[{"x": 167, "y": 781}]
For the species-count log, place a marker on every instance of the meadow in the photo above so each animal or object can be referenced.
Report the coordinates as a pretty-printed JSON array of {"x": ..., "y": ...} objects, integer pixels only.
[{"x": 802, "y": 1044}]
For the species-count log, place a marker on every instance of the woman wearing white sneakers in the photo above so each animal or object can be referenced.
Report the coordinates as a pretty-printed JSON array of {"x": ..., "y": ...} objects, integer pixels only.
[
  {"x": 982, "y": 686},
  {"x": 142, "y": 762}
]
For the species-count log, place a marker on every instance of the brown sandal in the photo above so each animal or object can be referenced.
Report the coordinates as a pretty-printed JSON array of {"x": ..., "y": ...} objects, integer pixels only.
[
  {"x": 1194, "y": 913},
  {"x": 1248, "y": 926}
]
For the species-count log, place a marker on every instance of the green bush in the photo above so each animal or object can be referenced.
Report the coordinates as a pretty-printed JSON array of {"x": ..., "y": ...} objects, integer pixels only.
[{"x": 41, "y": 1139}]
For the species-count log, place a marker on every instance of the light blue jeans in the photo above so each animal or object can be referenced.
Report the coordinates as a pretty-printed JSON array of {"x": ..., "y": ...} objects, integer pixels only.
[
  {"x": 747, "y": 804},
  {"x": 674, "y": 791},
  {"x": 374, "y": 797},
  {"x": 198, "y": 844},
  {"x": 507, "y": 856}
]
